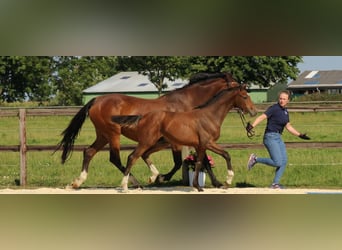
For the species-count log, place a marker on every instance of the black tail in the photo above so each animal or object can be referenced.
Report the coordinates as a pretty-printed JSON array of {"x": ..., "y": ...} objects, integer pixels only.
[
  {"x": 126, "y": 120},
  {"x": 71, "y": 132}
]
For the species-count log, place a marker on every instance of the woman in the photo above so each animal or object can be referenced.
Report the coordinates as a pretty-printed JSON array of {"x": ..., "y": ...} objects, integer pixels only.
[{"x": 277, "y": 119}]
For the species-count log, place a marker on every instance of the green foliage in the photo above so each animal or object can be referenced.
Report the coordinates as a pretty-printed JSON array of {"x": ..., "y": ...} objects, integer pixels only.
[
  {"x": 74, "y": 74},
  {"x": 157, "y": 68},
  {"x": 60, "y": 80},
  {"x": 260, "y": 70},
  {"x": 23, "y": 78},
  {"x": 318, "y": 97}
]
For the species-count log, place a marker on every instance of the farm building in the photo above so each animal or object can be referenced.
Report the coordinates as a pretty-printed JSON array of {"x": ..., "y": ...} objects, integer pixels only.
[
  {"x": 130, "y": 83},
  {"x": 138, "y": 85},
  {"x": 261, "y": 94},
  {"x": 327, "y": 81},
  {"x": 257, "y": 93}
]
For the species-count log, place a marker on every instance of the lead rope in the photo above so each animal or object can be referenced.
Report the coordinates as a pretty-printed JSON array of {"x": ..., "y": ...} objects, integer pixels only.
[{"x": 250, "y": 133}]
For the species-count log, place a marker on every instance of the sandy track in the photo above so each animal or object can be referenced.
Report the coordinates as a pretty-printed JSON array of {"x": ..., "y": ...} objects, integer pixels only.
[{"x": 170, "y": 190}]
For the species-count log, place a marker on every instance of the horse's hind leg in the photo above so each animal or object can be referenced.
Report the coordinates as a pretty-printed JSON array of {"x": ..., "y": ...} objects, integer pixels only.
[
  {"x": 138, "y": 152},
  {"x": 156, "y": 177},
  {"x": 177, "y": 159},
  {"x": 88, "y": 154},
  {"x": 116, "y": 160},
  {"x": 114, "y": 157}
]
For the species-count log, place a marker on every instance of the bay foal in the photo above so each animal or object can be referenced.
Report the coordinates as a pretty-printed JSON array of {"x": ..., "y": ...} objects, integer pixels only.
[{"x": 199, "y": 128}]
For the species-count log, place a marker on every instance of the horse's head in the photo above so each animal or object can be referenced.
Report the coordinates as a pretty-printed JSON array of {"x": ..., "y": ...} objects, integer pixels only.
[{"x": 244, "y": 102}]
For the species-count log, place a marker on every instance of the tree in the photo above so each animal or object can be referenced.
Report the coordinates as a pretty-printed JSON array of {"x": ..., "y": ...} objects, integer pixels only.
[
  {"x": 260, "y": 70},
  {"x": 61, "y": 79},
  {"x": 157, "y": 68},
  {"x": 25, "y": 78},
  {"x": 74, "y": 74}
]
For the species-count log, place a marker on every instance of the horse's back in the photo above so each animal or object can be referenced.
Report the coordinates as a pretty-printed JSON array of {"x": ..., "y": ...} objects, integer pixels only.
[{"x": 119, "y": 104}]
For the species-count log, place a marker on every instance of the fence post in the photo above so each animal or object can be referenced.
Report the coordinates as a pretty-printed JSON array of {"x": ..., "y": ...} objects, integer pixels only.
[{"x": 23, "y": 147}]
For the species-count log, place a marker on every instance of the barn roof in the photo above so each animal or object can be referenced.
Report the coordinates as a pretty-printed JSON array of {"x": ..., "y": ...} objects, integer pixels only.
[
  {"x": 131, "y": 82},
  {"x": 318, "y": 79}
]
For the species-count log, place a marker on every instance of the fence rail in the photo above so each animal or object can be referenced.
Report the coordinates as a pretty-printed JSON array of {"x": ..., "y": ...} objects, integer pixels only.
[
  {"x": 23, "y": 147},
  {"x": 52, "y": 148}
]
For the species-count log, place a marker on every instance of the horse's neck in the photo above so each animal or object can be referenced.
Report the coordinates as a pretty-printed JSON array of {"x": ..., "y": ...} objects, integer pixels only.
[
  {"x": 222, "y": 106},
  {"x": 208, "y": 90},
  {"x": 197, "y": 94}
]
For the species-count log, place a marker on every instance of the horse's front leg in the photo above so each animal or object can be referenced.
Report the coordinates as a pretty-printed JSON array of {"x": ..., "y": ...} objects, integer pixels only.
[
  {"x": 195, "y": 183},
  {"x": 198, "y": 166},
  {"x": 211, "y": 174},
  {"x": 230, "y": 173}
]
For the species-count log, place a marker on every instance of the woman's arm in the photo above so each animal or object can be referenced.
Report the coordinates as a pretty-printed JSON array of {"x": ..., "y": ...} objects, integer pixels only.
[
  {"x": 258, "y": 120},
  {"x": 291, "y": 129}
]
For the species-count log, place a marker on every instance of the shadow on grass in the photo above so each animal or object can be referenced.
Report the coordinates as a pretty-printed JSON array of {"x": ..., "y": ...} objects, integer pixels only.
[{"x": 244, "y": 185}]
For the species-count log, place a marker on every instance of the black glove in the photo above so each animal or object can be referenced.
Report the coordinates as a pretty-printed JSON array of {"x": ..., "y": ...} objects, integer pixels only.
[
  {"x": 304, "y": 137},
  {"x": 249, "y": 127}
]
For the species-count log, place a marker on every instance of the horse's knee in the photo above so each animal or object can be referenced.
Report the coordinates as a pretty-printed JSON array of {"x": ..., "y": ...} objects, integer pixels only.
[{"x": 226, "y": 155}]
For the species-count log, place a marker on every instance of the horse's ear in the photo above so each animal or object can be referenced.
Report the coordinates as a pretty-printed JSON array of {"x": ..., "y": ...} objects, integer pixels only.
[{"x": 243, "y": 86}]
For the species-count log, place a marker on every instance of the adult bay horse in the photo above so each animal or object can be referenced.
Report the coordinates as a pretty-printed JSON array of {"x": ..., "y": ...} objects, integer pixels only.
[
  {"x": 199, "y": 128},
  {"x": 201, "y": 88}
]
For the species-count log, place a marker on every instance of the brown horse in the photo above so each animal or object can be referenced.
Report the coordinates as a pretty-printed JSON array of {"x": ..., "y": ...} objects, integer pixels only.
[
  {"x": 199, "y": 128},
  {"x": 100, "y": 110}
]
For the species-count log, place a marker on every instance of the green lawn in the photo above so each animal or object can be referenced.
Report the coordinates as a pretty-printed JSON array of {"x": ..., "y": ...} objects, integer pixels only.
[{"x": 307, "y": 167}]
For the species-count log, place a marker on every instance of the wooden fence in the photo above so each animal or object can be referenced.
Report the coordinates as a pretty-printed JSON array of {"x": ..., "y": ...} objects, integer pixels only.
[{"x": 23, "y": 148}]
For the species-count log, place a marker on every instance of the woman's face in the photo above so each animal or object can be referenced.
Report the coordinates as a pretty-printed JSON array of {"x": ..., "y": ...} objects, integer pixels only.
[{"x": 283, "y": 99}]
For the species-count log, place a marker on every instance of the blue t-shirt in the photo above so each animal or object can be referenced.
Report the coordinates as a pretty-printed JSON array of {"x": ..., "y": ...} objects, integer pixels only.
[{"x": 277, "y": 118}]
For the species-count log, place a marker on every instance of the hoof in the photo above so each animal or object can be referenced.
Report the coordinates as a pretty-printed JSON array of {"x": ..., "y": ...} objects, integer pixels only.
[
  {"x": 74, "y": 185},
  {"x": 124, "y": 191},
  {"x": 152, "y": 179},
  {"x": 160, "y": 179},
  {"x": 227, "y": 185},
  {"x": 218, "y": 184}
]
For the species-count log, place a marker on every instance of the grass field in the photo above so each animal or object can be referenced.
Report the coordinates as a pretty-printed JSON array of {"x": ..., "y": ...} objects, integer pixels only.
[{"x": 306, "y": 168}]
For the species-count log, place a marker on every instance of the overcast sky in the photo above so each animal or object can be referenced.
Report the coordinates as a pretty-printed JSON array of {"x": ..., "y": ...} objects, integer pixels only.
[{"x": 320, "y": 63}]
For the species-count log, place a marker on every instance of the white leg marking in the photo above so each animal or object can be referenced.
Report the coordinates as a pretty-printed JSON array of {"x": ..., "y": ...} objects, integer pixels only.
[
  {"x": 78, "y": 181},
  {"x": 230, "y": 177},
  {"x": 83, "y": 175},
  {"x": 155, "y": 173},
  {"x": 124, "y": 183}
]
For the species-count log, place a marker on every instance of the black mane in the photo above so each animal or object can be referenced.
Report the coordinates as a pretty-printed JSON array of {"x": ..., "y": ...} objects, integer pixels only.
[{"x": 205, "y": 76}]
